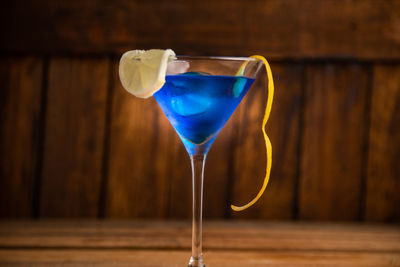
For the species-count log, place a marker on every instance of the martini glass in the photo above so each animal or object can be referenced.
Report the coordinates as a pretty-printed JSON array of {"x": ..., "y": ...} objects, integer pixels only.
[{"x": 199, "y": 96}]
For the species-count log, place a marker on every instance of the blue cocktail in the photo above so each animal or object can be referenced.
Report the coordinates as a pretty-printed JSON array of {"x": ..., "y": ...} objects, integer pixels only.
[
  {"x": 198, "y": 102},
  {"x": 198, "y": 95},
  {"x": 198, "y": 105}
]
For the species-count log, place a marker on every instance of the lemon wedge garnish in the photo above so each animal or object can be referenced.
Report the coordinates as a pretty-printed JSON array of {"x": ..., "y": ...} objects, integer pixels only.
[
  {"x": 268, "y": 145},
  {"x": 142, "y": 73}
]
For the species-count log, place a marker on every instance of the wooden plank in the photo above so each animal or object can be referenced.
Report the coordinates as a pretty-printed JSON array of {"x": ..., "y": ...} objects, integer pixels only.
[
  {"x": 249, "y": 149},
  {"x": 364, "y": 29},
  {"x": 258, "y": 236},
  {"x": 333, "y": 139},
  {"x": 20, "y": 100},
  {"x": 180, "y": 202},
  {"x": 74, "y": 140},
  {"x": 217, "y": 173},
  {"x": 140, "y": 156},
  {"x": 176, "y": 167},
  {"x": 383, "y": 177},
  {"x": 145, "y": 258}
]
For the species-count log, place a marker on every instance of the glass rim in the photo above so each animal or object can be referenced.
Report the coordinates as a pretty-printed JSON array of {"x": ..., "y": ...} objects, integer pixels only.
[{"x": 226, "y": 58}]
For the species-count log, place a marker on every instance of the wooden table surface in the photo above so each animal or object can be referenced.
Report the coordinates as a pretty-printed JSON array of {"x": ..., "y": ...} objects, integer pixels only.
[{"x": 167, "y": 243}]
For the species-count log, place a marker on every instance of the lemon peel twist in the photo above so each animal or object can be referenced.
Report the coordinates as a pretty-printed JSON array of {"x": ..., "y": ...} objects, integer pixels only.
[{"x": 268, "y": 145}]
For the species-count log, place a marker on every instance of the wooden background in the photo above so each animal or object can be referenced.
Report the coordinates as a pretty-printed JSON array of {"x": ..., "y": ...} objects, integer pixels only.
[{"x": 73, "y": 143}]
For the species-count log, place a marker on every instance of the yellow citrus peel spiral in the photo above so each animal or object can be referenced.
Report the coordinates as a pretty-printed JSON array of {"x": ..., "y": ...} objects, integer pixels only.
[{"x": 268, "y": 145}]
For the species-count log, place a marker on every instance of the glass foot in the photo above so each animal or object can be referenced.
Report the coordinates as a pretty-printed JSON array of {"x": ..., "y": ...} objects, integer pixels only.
[{"x": 196, "y": 262}]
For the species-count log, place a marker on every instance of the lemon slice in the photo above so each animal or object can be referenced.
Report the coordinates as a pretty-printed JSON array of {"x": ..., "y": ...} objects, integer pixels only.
[
  {"x": 142, "y": 73},
  {"x": 268, "y": 145}
]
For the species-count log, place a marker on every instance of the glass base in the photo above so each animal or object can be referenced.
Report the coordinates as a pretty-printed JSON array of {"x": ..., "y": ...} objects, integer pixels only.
[{"x": 196, "y": 262}]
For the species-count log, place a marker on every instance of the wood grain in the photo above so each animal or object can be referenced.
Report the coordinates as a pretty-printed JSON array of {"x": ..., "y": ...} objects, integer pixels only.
[
  {"x": 383, "y": 176},
  {"x": 218, "y": 235},
  {"x": 105, "y": 243},
  {"x": 23, "y": 257},
  {"x": 364, "y": 29},
  {"x": 20, "y": 102},
  {"x": 332, "y": 144},
  {"x": 180, "y": 175},
  {"x": 249, "y": 148},
  {"x": 74, "y": 139}
]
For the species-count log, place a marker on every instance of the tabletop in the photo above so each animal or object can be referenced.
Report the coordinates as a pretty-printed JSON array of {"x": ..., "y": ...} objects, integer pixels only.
[{"x": 226, "y": 243}]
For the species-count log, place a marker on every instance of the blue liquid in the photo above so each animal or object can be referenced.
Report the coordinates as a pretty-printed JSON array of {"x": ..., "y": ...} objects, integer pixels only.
[{"x": 198, "y": 106}]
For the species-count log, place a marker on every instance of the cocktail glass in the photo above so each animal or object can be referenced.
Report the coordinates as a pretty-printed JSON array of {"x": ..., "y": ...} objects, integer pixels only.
[{"x": 199, "y": 96}]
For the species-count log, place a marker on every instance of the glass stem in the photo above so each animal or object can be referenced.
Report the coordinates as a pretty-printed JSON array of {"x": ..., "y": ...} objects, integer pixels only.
[{"x": 198, "y": 162}]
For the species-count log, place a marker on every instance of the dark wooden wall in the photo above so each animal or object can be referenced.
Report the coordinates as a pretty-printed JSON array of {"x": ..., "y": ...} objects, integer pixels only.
[{"x": 73, "y": 143}]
